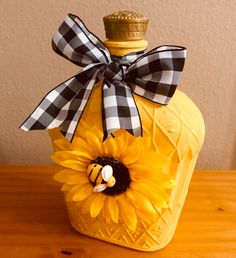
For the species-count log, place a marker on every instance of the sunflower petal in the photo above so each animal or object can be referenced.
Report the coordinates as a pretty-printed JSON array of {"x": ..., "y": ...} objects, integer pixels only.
[
  {"x": 78, "y": 205},
  {"x": 119, "y": 133},
  {"x": 71, "y": 177},
  {"x": 154, "y": 160},
  {"x": 147, "y": 142},
  {"x": 55, "y": 133},
  {"x": 60, "y": 176},
  {"x": 128, "y": 213},
  {"x": 157, "y": 197},
  {"x": 65, "y": 188},
  {"x": 94, "y": 143},
  {"x": 146, "y": 216},
  {"x": 62, "y": 144},
  {"x": 86, "y": 204},
  {"x": 159, "y": 190},
  {"x": 82, "y": 193},
  {"x": 169, "y": 184},
  {"x": 122, "y": 136},
  {"x": 68, "y": 155},
  {"x": 80, "y": 178},
  {"x": 98, "y": 132},
  {"x": 132, "y": 154},
  {"x": 96, "y": 205},
  {"x": 131, "y": 139},
  {"x": 110, "y": 147},
  {"x": 81, "y": 145},
  {"x": 141, "y": 202},
  {"x": 74, "y": 164},
  {"x": 113, "y": 209},
  {"x": 120, "y": 147},
  {"x": 69, "y": 171},
  {"x": 140, "y": 171},
  {"x": 161, "y": 204},
  {"x": 84, "y": 155},
  {"x": 152, "y": 191},
  {"x": 105, "y": 212},
  {"x": 136, "y": 141},
  {"x": 71, "y": 192}
]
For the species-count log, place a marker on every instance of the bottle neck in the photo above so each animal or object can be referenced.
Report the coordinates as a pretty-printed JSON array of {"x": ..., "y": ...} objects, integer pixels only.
[{"x": 121, "y": 48}]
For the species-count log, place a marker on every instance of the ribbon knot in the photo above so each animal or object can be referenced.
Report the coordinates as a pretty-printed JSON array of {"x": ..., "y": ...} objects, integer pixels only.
[
  {"x": 113, "y": 72},
  {"x": 153, "y": 75}
]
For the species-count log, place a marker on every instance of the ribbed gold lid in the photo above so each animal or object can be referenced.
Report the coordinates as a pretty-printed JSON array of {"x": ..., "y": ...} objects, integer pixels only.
[{"x": 125, "y": 25}]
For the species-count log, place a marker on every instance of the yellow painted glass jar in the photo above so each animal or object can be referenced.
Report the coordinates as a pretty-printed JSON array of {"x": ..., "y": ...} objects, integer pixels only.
[{"x": 144, "y": 216}]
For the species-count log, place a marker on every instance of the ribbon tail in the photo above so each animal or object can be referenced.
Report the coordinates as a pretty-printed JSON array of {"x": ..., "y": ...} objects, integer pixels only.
[
  {"x": 75, "y": 109},
  {"x": 65, "y": 103},
  {"x": 119, "y": 109}
]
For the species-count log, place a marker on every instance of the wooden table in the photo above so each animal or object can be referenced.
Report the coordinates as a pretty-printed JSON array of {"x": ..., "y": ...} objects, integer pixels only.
[{"x": 34, "y": 222}]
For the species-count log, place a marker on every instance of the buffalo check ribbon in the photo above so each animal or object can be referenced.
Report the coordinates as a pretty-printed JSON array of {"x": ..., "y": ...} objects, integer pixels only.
[{"x": 153, "y": 75}]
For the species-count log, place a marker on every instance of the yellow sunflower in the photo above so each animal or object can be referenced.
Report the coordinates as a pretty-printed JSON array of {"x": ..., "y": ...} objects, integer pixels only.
[{"x": 140, "y": 189}]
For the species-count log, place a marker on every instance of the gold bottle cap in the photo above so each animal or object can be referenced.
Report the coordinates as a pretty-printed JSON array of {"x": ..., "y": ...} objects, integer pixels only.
[{"x": 125, "y": 25}]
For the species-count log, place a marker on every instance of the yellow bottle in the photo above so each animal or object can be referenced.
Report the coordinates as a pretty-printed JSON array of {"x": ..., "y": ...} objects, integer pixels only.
[{"x": 176, "y": 131}]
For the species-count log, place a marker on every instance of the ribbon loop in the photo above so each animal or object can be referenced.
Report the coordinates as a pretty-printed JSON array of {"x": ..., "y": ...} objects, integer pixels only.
[
  {"x": 153, "y": 75},
  {"x": 77, "y": 44},
  {"x": 158, "y": 80}
]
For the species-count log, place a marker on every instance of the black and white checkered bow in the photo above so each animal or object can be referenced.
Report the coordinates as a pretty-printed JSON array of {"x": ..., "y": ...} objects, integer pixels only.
[{"x": 153, "y": 75}]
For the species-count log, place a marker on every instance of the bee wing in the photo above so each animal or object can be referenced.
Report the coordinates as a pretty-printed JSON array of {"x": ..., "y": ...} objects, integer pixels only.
[
  {"x": 107, "y": 172},
  {"x": 99, "y": 188}
]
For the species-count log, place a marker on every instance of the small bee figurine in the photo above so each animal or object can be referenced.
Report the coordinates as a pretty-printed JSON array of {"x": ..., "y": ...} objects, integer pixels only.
[{"x": 101, "y": 176}]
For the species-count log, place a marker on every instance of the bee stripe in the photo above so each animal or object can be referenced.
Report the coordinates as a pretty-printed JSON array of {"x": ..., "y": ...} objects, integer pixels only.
[
  {"x": 90, "y": 172},
  {"x": 98, "y": 175}
]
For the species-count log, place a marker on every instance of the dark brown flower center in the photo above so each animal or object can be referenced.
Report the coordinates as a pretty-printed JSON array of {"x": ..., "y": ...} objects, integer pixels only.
[{"x": 120, "y": 172}]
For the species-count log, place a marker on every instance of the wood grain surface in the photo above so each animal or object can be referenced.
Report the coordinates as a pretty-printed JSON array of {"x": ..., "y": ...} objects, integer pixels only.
[{"x": 34, "y": 222}]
